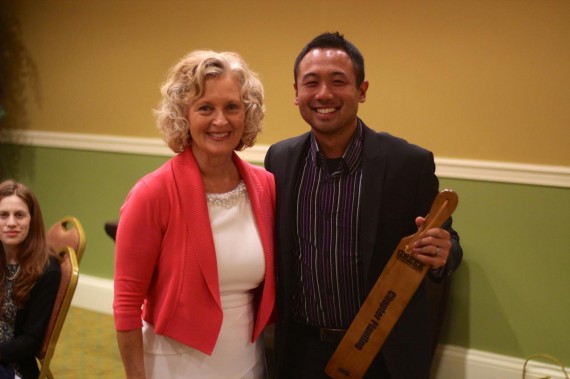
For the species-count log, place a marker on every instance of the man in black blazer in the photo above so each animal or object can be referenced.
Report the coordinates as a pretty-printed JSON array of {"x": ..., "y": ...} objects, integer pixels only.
[{"x": 346, "y": 196}]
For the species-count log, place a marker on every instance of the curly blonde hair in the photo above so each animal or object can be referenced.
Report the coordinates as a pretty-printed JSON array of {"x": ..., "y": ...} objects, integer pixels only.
[{"x": 185, "y": 83}]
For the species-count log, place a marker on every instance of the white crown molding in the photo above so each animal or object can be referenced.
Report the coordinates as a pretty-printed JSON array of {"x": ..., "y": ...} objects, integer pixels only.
[
  {"x": 452, "y": 168},
  {"x": 90, "y": 142},
  {"x": 505, "y": 172}
]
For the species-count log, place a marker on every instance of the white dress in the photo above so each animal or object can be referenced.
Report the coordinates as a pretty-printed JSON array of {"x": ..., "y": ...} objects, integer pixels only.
[{"x": 241, "y": 268}]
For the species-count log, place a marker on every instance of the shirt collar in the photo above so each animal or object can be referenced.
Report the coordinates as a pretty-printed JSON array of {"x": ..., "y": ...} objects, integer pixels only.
[{"x": 350, "y": 159}]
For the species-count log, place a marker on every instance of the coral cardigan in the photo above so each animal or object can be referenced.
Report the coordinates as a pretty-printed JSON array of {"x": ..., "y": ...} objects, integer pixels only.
[{"x": 165, "y": 255}]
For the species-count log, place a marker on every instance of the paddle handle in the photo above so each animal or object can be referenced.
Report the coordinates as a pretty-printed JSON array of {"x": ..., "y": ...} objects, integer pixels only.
[
  {"x": 441, "y": 209},
  {"x": 387, "y": 300}
]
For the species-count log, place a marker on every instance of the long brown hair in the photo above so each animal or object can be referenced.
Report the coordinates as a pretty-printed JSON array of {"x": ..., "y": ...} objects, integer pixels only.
[{"x": 33, "y": 252}]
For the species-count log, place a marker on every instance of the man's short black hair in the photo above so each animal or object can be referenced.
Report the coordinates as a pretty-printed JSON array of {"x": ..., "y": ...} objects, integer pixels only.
[{"x": 334, "y": 41}]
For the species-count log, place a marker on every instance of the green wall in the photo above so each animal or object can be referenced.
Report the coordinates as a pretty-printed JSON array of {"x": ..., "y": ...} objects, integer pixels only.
[
  {"x": 88, "y": 185},
  {"x": 508, "y": 296}
]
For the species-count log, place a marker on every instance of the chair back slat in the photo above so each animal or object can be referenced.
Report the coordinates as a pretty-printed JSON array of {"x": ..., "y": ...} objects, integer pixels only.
[
  {"x": 69, "y": 278},
  {"x": 67, "y": 232},
  {"x": 66, "y": 272}
]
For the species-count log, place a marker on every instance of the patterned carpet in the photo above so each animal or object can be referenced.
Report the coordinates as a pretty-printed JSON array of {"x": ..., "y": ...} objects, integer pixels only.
[{"x": 87, "y": 347}]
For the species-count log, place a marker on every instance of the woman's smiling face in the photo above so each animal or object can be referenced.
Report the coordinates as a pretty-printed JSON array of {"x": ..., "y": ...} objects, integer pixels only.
[
  {"x": 217, "y": 119},
  {"x": 15, "y": 222}
]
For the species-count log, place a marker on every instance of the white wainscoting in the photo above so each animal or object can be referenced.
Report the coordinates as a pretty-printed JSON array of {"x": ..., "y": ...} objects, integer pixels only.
[{"x": 504, "y": 172}]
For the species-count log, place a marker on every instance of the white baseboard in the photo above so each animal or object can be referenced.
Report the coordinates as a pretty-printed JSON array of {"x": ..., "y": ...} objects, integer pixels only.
[
  {"x": 451, "y": 362},
  {"x": 454, "y": 362},
  {"x": 94, "y": 294}
]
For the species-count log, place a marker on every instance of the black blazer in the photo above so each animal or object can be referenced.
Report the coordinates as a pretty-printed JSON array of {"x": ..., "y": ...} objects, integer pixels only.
[
  {"x": 398, "y": 184},
  {"x": 31, "y": 323}
]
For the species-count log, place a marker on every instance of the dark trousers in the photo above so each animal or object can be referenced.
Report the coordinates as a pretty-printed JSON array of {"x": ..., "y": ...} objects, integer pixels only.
[
  {"x": 307, "y": 354},
  {"x": 6, "y": 372}
]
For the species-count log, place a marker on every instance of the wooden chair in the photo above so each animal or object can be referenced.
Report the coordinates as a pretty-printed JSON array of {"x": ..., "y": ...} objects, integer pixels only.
[
  {"x": 69, "y": 277},
  {"x": 67, "y": 232}
]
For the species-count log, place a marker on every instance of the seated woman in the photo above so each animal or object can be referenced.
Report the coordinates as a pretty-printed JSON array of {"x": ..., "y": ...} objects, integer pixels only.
[{"x": 29, "y": 280}]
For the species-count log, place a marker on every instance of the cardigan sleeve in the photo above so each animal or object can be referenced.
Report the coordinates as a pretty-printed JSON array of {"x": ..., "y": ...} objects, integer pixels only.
[{"x": 138, "y": 246}]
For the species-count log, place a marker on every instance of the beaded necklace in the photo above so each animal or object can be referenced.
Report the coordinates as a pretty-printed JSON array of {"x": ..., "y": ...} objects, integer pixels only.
[
  {"x": 227, "y": 199},
  {"x": 16, "y": 272}
]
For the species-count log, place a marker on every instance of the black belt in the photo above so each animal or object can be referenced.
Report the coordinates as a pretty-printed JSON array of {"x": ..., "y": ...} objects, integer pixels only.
[{"x": 327, "y": 335}]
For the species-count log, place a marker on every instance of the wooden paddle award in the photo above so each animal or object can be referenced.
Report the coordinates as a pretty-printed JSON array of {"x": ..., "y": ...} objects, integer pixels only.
[{"x": 389, "y": 297}]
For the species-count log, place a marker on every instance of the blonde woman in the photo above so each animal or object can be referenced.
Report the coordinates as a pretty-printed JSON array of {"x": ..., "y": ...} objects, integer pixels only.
[{"x": 194, "y": 243}]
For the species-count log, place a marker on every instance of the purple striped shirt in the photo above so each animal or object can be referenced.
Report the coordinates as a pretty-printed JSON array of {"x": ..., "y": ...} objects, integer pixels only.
[{"x": 328, "y": 264}]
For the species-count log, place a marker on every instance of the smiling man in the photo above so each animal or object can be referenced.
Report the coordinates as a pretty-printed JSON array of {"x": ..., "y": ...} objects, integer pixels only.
[{"x": 346, "y": 195}]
